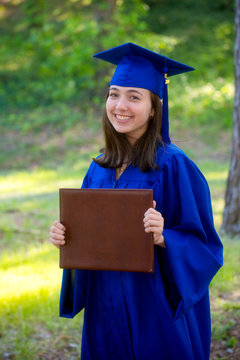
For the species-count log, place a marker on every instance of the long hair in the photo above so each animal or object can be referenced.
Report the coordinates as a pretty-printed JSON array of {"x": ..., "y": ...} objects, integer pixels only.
[{"x": 142, "y": 153}]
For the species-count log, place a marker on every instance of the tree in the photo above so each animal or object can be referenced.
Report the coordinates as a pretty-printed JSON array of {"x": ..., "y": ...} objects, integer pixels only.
[{"x": 231, "y": 217}]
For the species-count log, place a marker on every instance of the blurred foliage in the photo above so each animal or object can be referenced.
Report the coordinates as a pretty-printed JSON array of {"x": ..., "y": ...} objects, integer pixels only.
[
  {"x": 46, "y": 58},
  {"x": 47, "y": 52},
  {"x": 217, "y": 5}
]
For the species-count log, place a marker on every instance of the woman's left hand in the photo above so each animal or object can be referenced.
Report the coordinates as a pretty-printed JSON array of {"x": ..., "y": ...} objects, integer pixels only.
[{"x": 154, "y": 222}]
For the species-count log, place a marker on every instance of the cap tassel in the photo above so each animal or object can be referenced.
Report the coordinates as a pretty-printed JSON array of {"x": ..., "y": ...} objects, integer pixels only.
[
  {"x": 167, "y": 81},
  {"x": 165, "y": 121}
]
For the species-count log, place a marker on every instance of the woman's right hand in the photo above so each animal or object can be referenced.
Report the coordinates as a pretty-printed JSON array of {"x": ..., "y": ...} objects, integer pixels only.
[{"x": 57, "y": 234}]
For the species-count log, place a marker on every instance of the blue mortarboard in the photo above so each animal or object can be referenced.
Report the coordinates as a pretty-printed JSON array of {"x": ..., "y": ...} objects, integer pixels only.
[{"x": 139, "y": 67}]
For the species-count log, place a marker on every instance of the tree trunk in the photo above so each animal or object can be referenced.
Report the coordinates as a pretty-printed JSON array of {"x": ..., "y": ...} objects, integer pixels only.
[
  {"x": 231, "y": 217},
  {"x": 104, "y": 15}
]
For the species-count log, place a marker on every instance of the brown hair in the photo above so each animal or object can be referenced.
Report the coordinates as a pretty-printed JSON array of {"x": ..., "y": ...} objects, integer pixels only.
[{"x": 142, "y": 153}]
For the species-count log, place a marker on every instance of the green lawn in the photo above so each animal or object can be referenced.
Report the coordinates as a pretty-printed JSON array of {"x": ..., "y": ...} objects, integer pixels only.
[{"x": 30, "y": 277}]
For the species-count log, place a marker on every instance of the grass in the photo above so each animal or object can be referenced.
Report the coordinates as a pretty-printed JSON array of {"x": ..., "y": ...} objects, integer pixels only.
[
  {"x": 29, "y": 314},
  {"x": 30, "y": 277}
]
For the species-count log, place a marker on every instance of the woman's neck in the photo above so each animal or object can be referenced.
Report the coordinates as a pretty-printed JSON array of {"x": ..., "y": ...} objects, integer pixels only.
[{"x": 132, "y": 140}]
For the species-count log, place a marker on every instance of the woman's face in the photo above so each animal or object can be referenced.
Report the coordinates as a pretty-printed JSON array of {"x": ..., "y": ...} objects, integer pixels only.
[{"x": 128, "y": 110}]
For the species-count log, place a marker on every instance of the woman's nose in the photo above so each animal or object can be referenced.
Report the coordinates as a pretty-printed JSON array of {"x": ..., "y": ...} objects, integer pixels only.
[{"x": 121, "y": 104}]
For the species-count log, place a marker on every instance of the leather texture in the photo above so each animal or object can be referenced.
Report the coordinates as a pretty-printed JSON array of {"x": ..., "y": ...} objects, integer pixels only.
[{"x": 105, "y": 230}]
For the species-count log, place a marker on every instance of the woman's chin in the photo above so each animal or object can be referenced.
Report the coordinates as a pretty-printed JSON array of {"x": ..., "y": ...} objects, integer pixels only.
[{"x": 121, "y": 129}]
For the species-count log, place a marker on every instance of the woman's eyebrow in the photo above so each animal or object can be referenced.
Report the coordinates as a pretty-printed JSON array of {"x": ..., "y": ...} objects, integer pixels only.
[
  {"x": 128, "y": 91},
  {"x": 135, "y": 91},
  {"x": 113, "y": 88}
]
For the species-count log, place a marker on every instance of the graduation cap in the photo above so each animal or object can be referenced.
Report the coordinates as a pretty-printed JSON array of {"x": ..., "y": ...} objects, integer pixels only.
[{"x": 140, "y": 67}]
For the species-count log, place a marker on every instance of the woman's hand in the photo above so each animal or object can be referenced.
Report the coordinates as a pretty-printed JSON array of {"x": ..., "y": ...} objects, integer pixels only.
[
  {"x": 154, "y": 222},
  {"x": 57, "y": 234}
]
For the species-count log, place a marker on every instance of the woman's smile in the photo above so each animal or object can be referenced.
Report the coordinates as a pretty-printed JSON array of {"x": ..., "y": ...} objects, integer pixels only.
[{"x": 123, "y": 118}]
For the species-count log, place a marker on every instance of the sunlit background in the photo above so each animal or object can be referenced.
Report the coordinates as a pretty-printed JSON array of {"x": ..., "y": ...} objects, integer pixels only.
[{"x": 51, "y": 99}]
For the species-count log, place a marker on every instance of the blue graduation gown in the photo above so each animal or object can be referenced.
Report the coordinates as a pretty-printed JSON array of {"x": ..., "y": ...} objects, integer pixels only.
[{"x": 159, "y": 316}]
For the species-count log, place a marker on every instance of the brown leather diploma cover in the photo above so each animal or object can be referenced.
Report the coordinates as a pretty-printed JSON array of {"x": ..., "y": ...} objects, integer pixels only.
[{"x": 105, "y": 230}]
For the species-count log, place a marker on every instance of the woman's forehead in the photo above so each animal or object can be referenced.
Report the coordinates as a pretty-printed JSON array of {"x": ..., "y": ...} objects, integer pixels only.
[{"x": 125, "y": 89}]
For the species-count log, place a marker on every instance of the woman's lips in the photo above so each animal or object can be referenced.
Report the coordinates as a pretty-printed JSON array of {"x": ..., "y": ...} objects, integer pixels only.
[{"x": 122, "y": 118}]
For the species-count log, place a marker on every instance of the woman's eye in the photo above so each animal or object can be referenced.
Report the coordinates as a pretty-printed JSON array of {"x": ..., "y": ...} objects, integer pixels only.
[
  {"x": 134, "y": 98},
  {"x": 112, "y": 95}
]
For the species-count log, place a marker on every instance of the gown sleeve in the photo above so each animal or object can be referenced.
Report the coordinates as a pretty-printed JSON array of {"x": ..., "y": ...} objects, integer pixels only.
[
  {"x": 74, "y": 282},
  {"x": 194, "y": 252}
]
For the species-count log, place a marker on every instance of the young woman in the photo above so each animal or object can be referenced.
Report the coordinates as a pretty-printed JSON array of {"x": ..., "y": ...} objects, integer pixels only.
[{"x": 164, "y": 315}]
